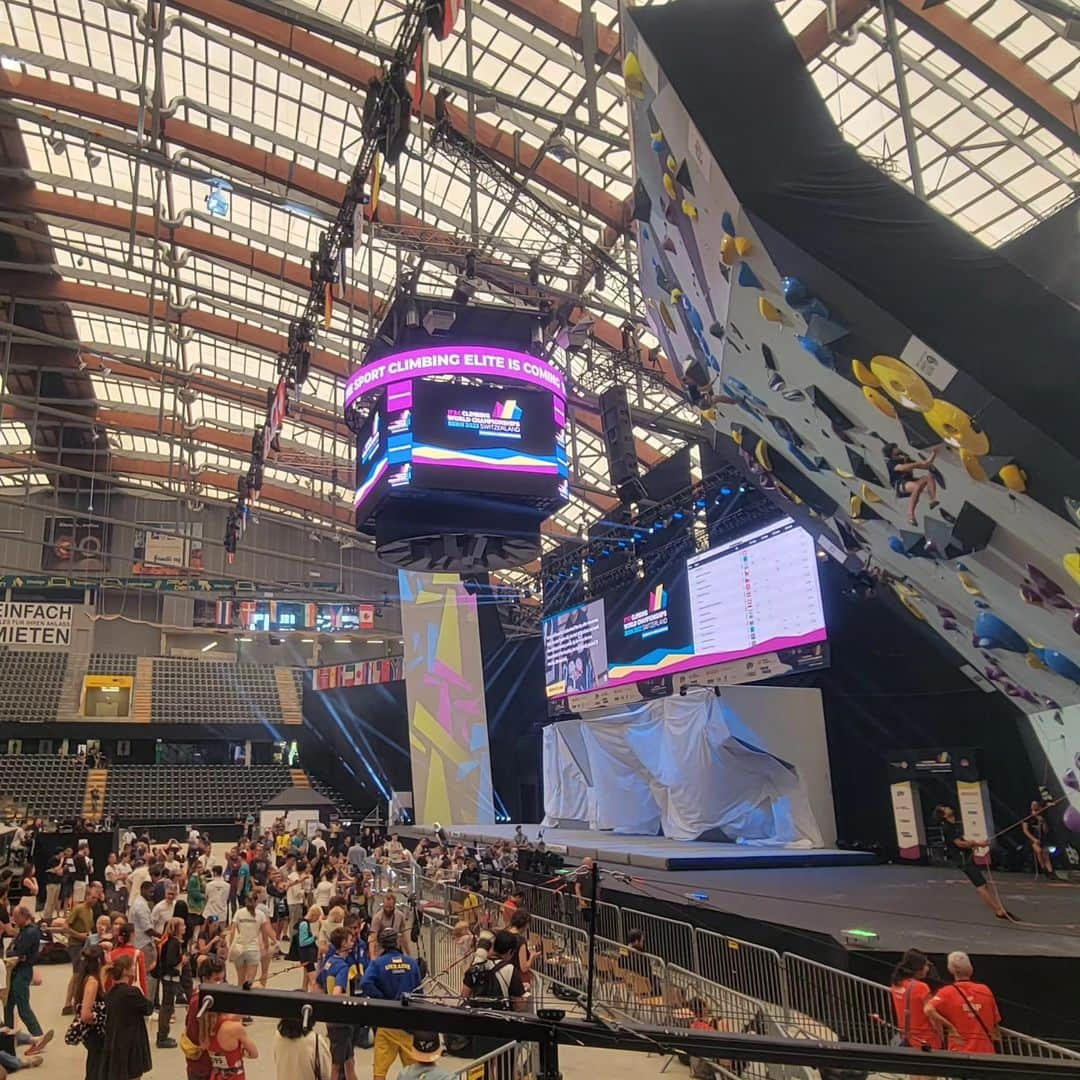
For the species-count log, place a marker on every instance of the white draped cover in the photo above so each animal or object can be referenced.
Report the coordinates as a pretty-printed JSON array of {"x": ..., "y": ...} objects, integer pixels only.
[{"x": 680, "y": 766}]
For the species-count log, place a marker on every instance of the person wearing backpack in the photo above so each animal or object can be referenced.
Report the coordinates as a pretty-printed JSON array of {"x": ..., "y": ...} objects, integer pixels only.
[
  {"x": 495, "y": 983},
  {"x": 390, "y": 977}
]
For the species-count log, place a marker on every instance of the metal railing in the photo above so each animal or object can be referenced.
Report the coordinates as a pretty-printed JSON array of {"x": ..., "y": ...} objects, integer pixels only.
[
  {"x": 686, "y": 966},
  {"x": 514, "y": 1061}
]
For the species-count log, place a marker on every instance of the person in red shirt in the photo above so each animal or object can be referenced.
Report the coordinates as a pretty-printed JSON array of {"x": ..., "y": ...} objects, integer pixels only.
[
  {"x": 910, "y": 993},
  {"x": 966, "y": 1011}
]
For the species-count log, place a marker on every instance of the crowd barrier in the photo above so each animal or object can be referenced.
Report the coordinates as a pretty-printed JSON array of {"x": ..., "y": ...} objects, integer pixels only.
[
  {"x": 514, "y": 1061},
  {"x": 684, "y": 975}
]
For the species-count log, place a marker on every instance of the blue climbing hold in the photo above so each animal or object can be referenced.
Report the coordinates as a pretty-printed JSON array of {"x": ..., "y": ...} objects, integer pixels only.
[
  {"x": 994, "y": 633},
  {"x": 1060, "y": 664},
  {"x": 795, "y": 292},
  {"x": 727, "y": 223},
  {"x": 897, "y": 545},
  {"x": 748, "y": 278},
  {"x": 821, "y": 353}
]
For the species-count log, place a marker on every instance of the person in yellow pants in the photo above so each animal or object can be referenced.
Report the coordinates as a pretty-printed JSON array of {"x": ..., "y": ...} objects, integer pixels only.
[{"x": 389, "y": 978}]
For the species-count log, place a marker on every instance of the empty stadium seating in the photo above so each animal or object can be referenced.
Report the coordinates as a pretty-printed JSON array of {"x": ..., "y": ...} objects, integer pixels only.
[
  {"x": 102, "y": 663},
  {"x": 42, "y": 785},
  {"x": 345, "y": 808},
  {"x": 186, "y": 692},
  {"x": 144, "y": 794},
  {"x": 30, "y": 685}
]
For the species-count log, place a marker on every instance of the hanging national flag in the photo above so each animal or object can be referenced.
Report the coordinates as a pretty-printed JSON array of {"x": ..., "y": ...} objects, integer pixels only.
[
  {"x": 328, "y": 306},
  {"x": 420, "y": 75},
  {"x": 376, "y": 184}
]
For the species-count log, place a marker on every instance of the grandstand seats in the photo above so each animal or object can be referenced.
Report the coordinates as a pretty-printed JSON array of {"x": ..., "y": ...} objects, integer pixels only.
[
  {"x": 187, "y": 692},
  {"x": 345, "y": 808},
  {"x": 30, "y": 685},
  {"x": 42, "y": 785},
  {"x": 145, "y": 794},
  {"x": 102, "y": 663}
]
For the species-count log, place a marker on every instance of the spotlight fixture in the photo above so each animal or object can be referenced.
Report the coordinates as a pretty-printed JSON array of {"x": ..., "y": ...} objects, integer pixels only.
[
  {"x": 57, "y": 144},
  {"x": 93, "y": 160},
  {"x": 558, "y": 149},
  {"x": 439, "y": 320}
]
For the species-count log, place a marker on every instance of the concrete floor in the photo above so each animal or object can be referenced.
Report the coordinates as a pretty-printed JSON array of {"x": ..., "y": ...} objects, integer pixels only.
[{"x": 68, "y": 1062}]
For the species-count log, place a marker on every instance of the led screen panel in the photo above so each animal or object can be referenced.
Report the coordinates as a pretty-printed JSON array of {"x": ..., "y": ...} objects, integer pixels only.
[{"x": 575, "y": 650}]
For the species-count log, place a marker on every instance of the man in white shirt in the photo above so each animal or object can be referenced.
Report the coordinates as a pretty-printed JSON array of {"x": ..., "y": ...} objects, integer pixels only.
[
  {"x": 294, "y": 897},
  {"x": 144, "y": 940},
  {"x": 217, "y": 897},
  {"x": 140, "y": 874},
  {"x": 162, "y": 911},
  {"x": 318, "y": 841}
]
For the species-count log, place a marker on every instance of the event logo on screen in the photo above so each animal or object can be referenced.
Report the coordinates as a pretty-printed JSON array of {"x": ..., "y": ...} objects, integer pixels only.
[
  {"x": 503, "y": 422},
  {"x": 400, "y": 477},
  {"x": 652, "y": 619},
  {"x": 400, "y": 423},
  {"x": 372, "y": 443}
]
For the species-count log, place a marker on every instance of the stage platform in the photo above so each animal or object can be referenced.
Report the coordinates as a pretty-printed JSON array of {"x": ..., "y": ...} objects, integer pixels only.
[{"x": 655, "y": 852}]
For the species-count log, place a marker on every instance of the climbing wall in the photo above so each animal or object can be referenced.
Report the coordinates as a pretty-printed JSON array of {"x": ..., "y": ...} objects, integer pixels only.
[{"x": 811, "y": 379}]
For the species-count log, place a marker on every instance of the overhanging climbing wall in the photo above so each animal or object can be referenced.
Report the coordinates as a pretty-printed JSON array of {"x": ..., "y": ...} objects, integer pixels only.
[
  {"x": 820, "y": 312},
  {"x": 444, "y": 687}
]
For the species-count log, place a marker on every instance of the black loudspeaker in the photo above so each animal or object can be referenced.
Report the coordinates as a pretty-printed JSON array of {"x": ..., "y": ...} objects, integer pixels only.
[
  {"x": 618, "y": 430},
  {"x": 970, "y": 532}
]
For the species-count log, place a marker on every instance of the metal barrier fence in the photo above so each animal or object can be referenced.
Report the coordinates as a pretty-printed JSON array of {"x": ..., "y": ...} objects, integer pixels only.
[
  {"x": 514, "y": 1061},
  {"x": 793, "y": 995},
  {"x": 750, "y": 969}
]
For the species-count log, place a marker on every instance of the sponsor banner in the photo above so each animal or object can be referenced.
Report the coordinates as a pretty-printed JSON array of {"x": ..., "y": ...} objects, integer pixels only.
[
  {"x": 364, "y": 673},
  {"x": 74, "y": 544},
  {"x": 169, "y": 585},
  {"x": 35, "y": 624},
  {"x": 910, "y": 837},
  {"x": 975, "y": 816},
  {"x": 947, "y": 764},
  {"x": 168, "y": 549}
]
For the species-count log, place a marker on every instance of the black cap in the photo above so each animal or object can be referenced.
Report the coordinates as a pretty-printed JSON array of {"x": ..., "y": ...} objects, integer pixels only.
[{"x": 426, "y": 1046}]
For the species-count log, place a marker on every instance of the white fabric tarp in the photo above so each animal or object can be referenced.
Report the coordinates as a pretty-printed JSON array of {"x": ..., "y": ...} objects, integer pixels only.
[{"x": 681, "y": 766}]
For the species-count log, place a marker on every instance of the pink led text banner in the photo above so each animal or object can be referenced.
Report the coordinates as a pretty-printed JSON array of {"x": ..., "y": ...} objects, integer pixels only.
[{"x": 474, "y": 361}]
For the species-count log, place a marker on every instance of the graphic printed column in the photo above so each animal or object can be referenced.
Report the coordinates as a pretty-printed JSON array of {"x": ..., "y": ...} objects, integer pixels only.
[{"x": 444, "y": 687}]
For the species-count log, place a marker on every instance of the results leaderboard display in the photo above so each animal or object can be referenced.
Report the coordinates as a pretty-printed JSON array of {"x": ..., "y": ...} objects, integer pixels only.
[{"x": 745, "y": 610}]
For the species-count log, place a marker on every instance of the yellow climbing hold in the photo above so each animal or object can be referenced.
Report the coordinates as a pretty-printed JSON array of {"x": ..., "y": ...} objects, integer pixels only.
[
  {"x": 669, "y": 186},
  {"x": 901, "y": 383},
  {"x": 869, "y": 495},
  {"x": 864, "y": 375},
  {"x": 768, "y": 311},
  {"x": 743, "y": 245},
  {"x": 736, "y": 435},
  {"x": 973, "y": 466},
  {"x": 676, "y": 296},
  {"x": 956, "y": 428},
  {"x": 1034, "y": 662},
  {"x": 761, "y": 454},
  {"x": 727, "y": 250},
  {"x": 1013, "y": 477},
  {"x": 844, "y": 474},
  {"x": 968, "y": 582},
  {"x": 855, "y": 507},
  {"x": 633, "y": 76},
  {"x": 689, "y": 209},
  {"x": 879, "y": 401},
  {"x": 1072, "y": 565}
]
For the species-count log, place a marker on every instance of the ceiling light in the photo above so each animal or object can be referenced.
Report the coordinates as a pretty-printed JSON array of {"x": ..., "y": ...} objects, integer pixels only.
[
  {"x": 375, "y": 641},
  {"x": 57, "y": 144},
  {"x": 109, "y": 689},
  {"x": 93, "y": 160},
  {"x": 246, "y": 639},
  {"x": 342, "y": 641},
  {"x": 208, "y": 647},
  {"x": 307, "y": 641}
]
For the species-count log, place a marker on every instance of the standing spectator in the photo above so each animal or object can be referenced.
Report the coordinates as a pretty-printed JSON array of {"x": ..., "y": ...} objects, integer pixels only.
[
  {"x": 127, "y": 1046},
  {"x": 426, "y": 1051},
  {"x": 389, "y": 978},
  {"x": 81, "y": 923},
  {"x": 144, "y": 940},
  {"x": 910, "y": 993},
  {"x": 123, "y": 945},
  {"x": 388, "y": 917},
  {"x": 307, "y": 944},
  {"x": 494, "y": 983},
  {"x": 29, "y": 896},
  {"x": 965, "y": 1012},
  {"x": 299, "y": 1054},
  {"x": 54, "y": 877},
  {"x": 249, "y": 932},
  {"x": 90, "y": 999},
  {"x": 170, "y": 960},
  {"x": 325, "y": 890},
  {"x": 84, "y": 870},
  {"x": 25, "y": 949},
  {"x": 335, "y": 978},
  {"x": 211, "y": 969},
  {"x": 1037, "y": 832},
  {"x": 355, "y": 857},
  {"x": 163, "y": 911},
  {"x": 217, "y": 897},
  {"x": 196, "y": 897},
  {"x": 294, "y": 897},
  {"x": 67, "y": 879}
]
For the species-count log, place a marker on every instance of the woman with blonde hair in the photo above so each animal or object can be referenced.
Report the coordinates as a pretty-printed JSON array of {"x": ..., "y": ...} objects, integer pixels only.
[{"x": 307, "y": 945}]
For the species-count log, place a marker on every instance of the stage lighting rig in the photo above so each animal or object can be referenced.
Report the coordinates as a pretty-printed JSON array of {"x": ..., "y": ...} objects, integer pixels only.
[{"x": 385, "y": 125}]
